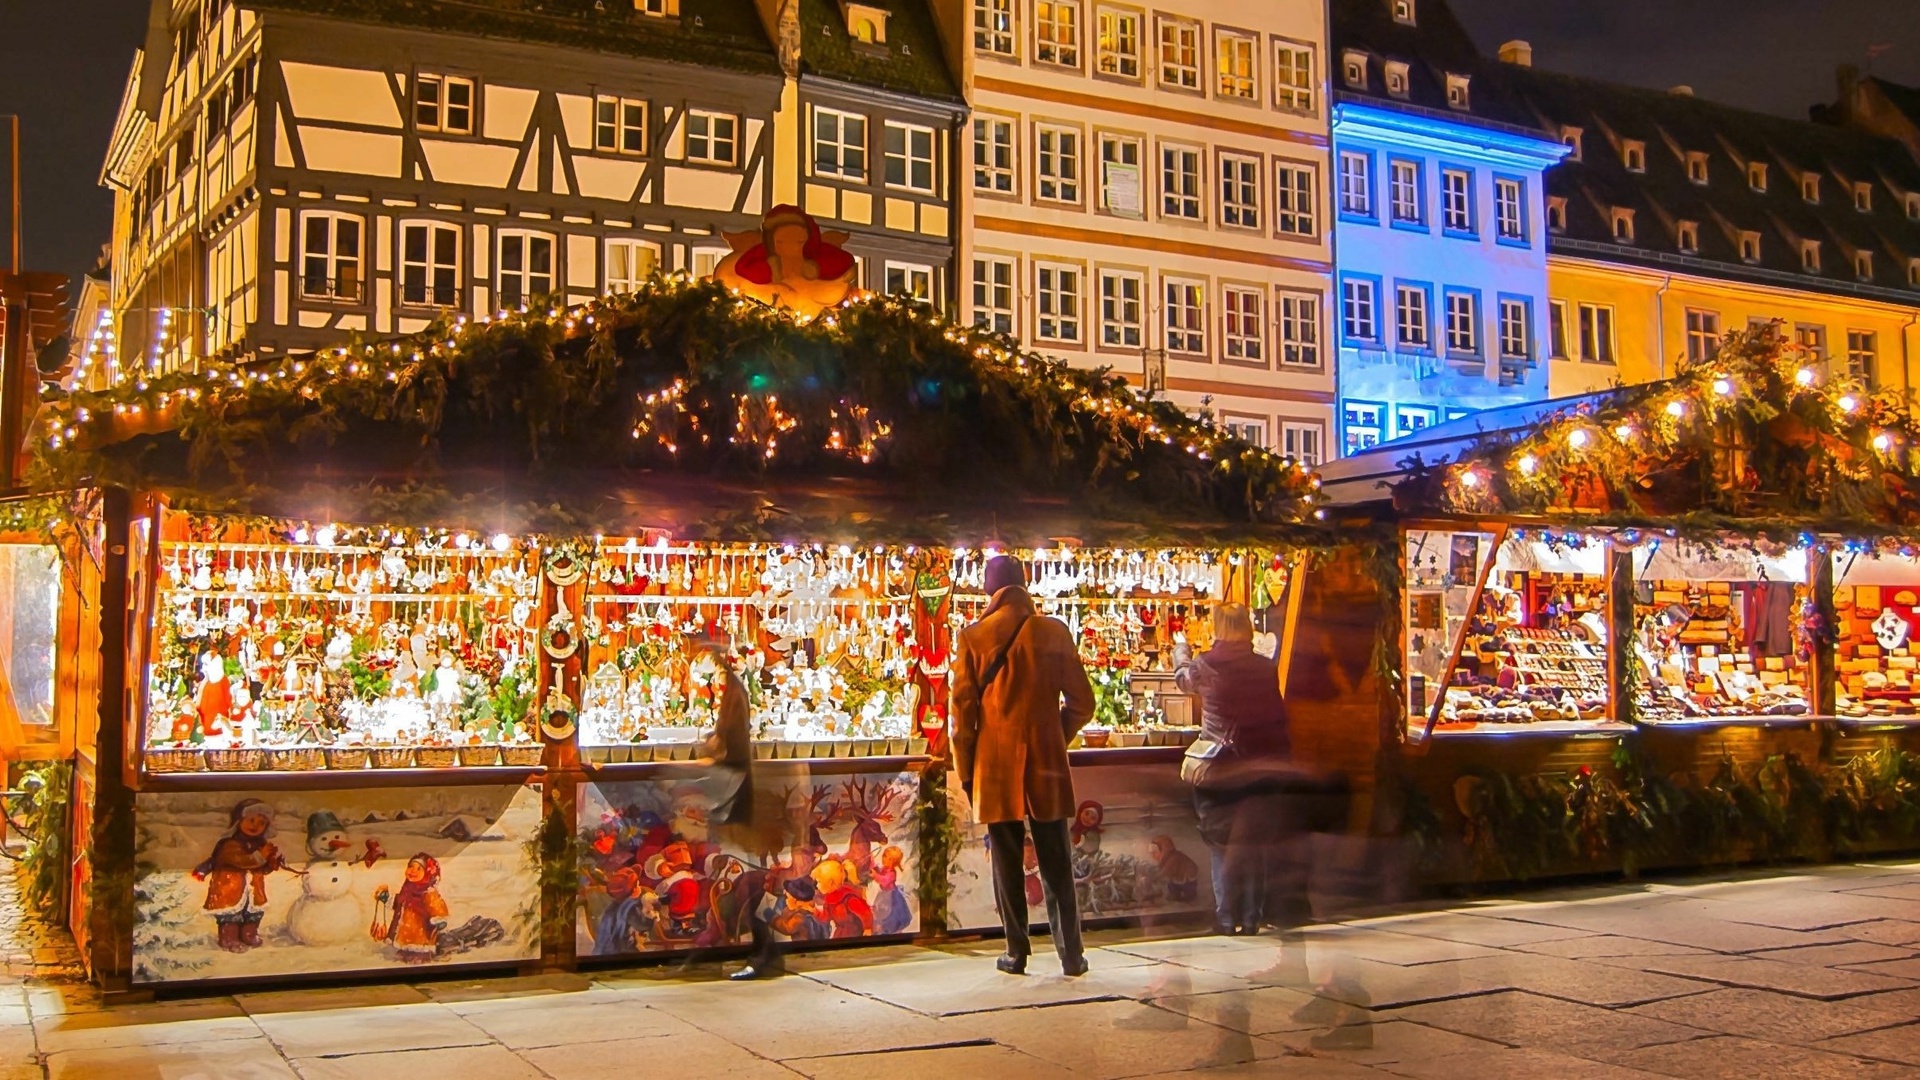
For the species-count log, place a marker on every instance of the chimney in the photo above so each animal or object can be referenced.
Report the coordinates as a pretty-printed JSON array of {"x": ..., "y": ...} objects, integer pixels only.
[
  {"x": 1683, "y": 90},
  {"x": 1517, "y": 52}
]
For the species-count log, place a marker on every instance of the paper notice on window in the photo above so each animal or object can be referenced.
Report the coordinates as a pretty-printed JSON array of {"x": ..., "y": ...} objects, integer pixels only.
[{"x": 1122, "y": 186}]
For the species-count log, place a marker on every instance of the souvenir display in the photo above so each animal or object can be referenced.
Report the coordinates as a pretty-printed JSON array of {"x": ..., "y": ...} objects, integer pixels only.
[
  {"x": 1876, "y": 665},
  {"x": 1721, "y": 649}
]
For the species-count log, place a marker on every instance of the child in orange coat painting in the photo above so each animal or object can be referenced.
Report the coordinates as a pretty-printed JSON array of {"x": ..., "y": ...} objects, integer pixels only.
[
  {"x": 419, "y": 913},
  {"x": 236, "y": 874}
]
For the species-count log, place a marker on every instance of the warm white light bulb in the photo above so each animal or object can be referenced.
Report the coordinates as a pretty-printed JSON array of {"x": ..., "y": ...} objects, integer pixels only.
[
  {"x": 501, "y": 542},
  {"x": 1676, "y": 409},
  {"x": 1848, "y": 403},
  {"x": 1804, "y": 376},
  {"x": 1578, "y": 438},
  {"x": 1528, "y": 464},
  {"x": 1723, "y": 387}
]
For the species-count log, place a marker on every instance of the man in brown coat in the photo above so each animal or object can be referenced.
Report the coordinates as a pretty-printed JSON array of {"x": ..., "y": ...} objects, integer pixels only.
[{"x": 1019, "y": 696}]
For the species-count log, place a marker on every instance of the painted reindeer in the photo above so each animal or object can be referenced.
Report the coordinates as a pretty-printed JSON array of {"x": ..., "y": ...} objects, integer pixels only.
[
  {"x": 806, "y": 820},
  {"x": 872, "y": 810}
]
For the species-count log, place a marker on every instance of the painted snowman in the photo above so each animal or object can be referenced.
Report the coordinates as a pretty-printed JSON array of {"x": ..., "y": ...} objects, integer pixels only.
[{"x": 327, "y": 912}]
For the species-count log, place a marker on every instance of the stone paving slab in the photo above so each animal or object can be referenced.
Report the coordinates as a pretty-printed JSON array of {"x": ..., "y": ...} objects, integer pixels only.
[
  {"x": 1846, "y": 954},
  {"x": 1804, "y": 980},
  {"x": 1593, "y": 946},
  {"x": 573, "y": 1020},
  {"x": 1261, "y": 1011},
  {"x": 1732, "y": 1058},
  {"x": 146, "y": 1025},
  {"x": 1117, "y": 1038},
  {"x": 1769, "y": 1015},
  {"x": 1896, "y": 1044},
  {"x": 985, "y": 1060},
  {"x": 796, "y": 1017},
  {"x": 1386, "y": 1042},
  {"x": 444, "y": 1063},
  {"x": 369, "y": 1029},
  {"x": 1899, "y": 932},
  {"x": 231, "y": 1059},
  {"x": 1520, "y": 1019},
  {"x": 1514, "y": 1063},
  {"x": 699, "y": 1055},
  {"x": 1481, "y": 929}
]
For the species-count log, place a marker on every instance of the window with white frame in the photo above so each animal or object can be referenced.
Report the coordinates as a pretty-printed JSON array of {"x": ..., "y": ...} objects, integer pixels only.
[
  {"x": 1757, "y": 175},
  {"x": 1056, "y": 297},
  {"x": 1398, "y": 83},
  {"x": 1457, "y": 91},
  {"x": 658, "y": 8},
  {"x": 701, "y": 263},
  {"x": 429, "y": 264},
  {"x": 1516, "y": 328},
  {"x": 993, "y": 24},
  {"x": 1570, "y": 137},
  {"x": 1236, "y": 65},
  {"x": 712, "y": 138},
  {"x": 1353, "y": 69},
  {"x": 1180, "y": 191},
  {"x": 1119, "y": 53},
  {"x": 1299, "y": 329},
  {"x": 1303, "y": 441},
  {"x": 1813, "y": 338},
  {"x": 1750, "y": 247},
  {"x": 1509, "y": 208},
  {"x": 1410, "y": 316},
  {"x": 443, "y": 103},
  {"x": 1122, "y": 304},
  {"x": 1863, "y": 265},
  {"x": 1557, "y": 213},
  {"x": 993, "y": 163},
  {"x": 1687, "y": 237},
  {"x": 1810, "y": 256},
  {"x": 1623, "y": 231},
  {"x": 526, "y": 267},
  {"x": 1295, "y": 212},
  {"x": 1120, "y": 175},
  {"x": 1293, "y": 88},
  {"x": 1463, "y": 323},
  {"x": 1633, "y": 154},
  {"x": 1557, "y": 329},
  {"x": 619, "y": 125},
  {"x": 1403, "y": 190},
  {"x": 909, "y": 157},
  {"x": 330, "y": 255},
  {"x": 1596, "y": 333},
  {"x": 1186, "y": 315},
  {"x": 913, "y": 281},
  {"x": 1359, "y": 314},
  {"x": 1179, "y": 54},
  {"x": 1456, "y": 200},
  {"x": 1240, "y": 191},
  {"x": 993, "y": 294},
  {"x": 1810, "y": 187},
  {"x": 1244, "y": 324},
  {"x": 1703, "y": 335},
  {"x": 1057, "y": 163},
  {"x": 1248, "y": 429},
  {"x": 1913, "y": 272},
  {"x": 1364, "y": 424},
  {"x": 1863, "y": 352},
  {"x": 629, "y": 264},
  {"x": 1913, "y": 206},
  {"x": 1356, "y": 183},
  {"x": 1056, "y": 32},
  {"x": 1411, "y": 418},
  {"x": 839, "y": 144},
  {"x": 1697, "y": 167}
]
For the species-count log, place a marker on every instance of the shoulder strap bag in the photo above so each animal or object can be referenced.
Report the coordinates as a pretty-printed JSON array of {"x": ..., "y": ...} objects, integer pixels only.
[{"x": 999, "y": 661}]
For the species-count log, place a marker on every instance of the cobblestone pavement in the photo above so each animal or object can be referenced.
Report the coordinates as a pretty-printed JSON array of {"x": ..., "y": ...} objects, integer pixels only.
[{"x": 1808, "y": 973}]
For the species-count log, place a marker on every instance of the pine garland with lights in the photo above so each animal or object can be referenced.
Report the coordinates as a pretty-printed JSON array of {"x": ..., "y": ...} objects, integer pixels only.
[{"x": 679, "y": 377}]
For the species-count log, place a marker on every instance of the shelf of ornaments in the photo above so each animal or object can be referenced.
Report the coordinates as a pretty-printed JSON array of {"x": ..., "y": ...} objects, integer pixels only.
[{"x": 339, "y": 597}]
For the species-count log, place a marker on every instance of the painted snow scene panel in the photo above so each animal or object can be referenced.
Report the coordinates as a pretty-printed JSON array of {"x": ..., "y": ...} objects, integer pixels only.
[
  {"x": 837, "y": 857},
  {"x": 240, "y": 884},
  {"x": 1137, "y": 851}
]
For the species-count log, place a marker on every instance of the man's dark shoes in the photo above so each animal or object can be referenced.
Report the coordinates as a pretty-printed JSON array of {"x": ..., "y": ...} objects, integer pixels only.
[
  {"x": 1012, "y": 965},
  {"x": 755, "y": 972},
  {"x": 1073, "y": 966}
]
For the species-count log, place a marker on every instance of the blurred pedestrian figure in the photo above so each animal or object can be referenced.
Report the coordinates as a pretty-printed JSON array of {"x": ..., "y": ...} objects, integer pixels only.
[{"x": 1020, "y": 695}]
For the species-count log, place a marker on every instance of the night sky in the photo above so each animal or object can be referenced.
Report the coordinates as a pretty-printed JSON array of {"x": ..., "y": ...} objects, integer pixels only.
[{"x": 63, "y": 64}]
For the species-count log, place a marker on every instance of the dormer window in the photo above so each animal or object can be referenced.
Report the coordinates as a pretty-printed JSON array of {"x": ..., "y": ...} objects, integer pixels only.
[
  {"x": 1633, "y": 154},
  {"x": 1863, "y": 198},
  {"x": 1622, "y": 225},
  {"x": 1697, "y": 167},
  {"x": 1396, "y": 79},
  {"x": 1913, "y": 273},
  {"x": 1457, "y": 92},
  {"x": 661, "y": 9},
  {"x": 1810, "y": 187},
  {"x": 1750, "y": 247},
  {"x": 1810, "y": 256},
  {"x": 1557, "y": 213},
  {"x": 1570, "y": 138},
  {"x": 1863, "y": 265},
  {"x": 1757, "y": 175},
  {"x": 1688, "y": 237},
  {"x": 1913, "y": 205},
  {"x": 1353, "y": 68},
  {"x": 1403, "y": 12},
  {"x": 866, "y": 24}
]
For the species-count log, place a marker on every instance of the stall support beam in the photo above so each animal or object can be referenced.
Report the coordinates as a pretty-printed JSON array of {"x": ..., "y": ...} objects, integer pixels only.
[
  {"x": 110, "y": 929},
  {"x": 1825, "y": 675},
  {"x": 1620, "y": 635}
]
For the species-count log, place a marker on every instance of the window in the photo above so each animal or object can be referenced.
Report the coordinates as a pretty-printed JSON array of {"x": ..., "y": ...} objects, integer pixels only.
[
  {"x": 662, "y": 8},
  {"x": 1122, "y": 297},
  {"x": 1293, "y": 200},
  {"x": 1119, "y": 43},
  {"x": 1863, "y": 265},
  {"x": 1557, "y": 329},
  {"x": 1812, "y": 338},
  {"x": 910, "y": 280},
  {"x": 1410, "y": 316},
  {"x": 1361, "y": 421},
  {"x": 1409, "y": 419},
  {"x": 1353, "y": 69},
  {"x": 1245, "y": 325},
  {"x": 1633, "y": 154},
  {"x": 1750, "y": 247},
  {"x": 992, "y": 154},
  {"x": 1403, "y": 191},
  {"x": 1703, "y": 335},
  {"x": 619, "y": 125},
  {"x": 1457, "y": 91},
  {"x": 1810, "y": 256},
  {"x": 1463, "y": 323},
  {"x": 1697, "y": 167},
  {"x": 526, "y": 267},
  {"x": 443, "y": 103},
  {"x": 1622, "y": 225},
  {"x": 1398, "y": 84},
  {"x": 839, "y": 144},
  {"x": 1557, "y": 213},
  {"x": 1403, "y": 12},
  {"x": 1302, "y": 442},
  {"x": 1570, "y": 138},
  {"x": 330, "y": 256},
  {"x": 909, "y": 157},
  {"x": 1810, "y": 187},
  {"x": 1913, "y": 206},
  {"x": 1299, "y": 330},
  {"x": 629, "y": 264},
  {"x": 1293, "y": 76},
  {"x": 1356, "y": 183},
  {"x": 429, "y": 264},
  {"x": 1358, "y": 317},
  {"x": 1456, "y": 200},
  {"x": 1246, "y": 429},
  {"x": 712, "y": 138},
  {"x": 993, "y": 294},
  {"x": 1757, "y": 175},
  {"x": 1596, "y": 334},
  {"x": 1120, "y": 175},
  {"x": 1509, "y": 208},
  {"x": 1687, "y": 236},
  {"x": 1186, "y": 311},
  {"x": 1057, "y": 295},
  {"x": 1056, "y": 32},
  {"x": 993, "y": 26},
  {"x": 1180, "y": 182},
  {"x": 1516, "y": 328},
  {"x": 1180, "y": 54},
  {"x": 703, "y": 261},
  {"x": 1862, "y": 352},
  {"x": 1235, "y": 65},
  {"x": 1058, "y": 163},
  {"x": 1240, "y": 191},
  {"x": 1913, "y": 272}
]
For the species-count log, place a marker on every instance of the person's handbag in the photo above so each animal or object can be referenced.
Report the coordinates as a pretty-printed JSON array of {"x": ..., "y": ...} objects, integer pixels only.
[
  {"x": 999, "y": 661},
  {"x": 1197, "y": 764}
]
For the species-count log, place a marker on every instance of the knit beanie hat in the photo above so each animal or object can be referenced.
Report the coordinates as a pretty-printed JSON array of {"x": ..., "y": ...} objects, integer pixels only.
[{"x": 1003, "y": 571}]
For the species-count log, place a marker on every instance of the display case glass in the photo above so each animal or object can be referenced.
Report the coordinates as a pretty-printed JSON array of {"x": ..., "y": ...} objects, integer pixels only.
[
  {"x": 1718, "y": 632},
  {"x": 1876, "y": 605}
]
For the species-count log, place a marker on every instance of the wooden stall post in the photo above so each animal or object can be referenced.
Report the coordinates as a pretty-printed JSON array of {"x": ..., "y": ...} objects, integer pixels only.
[
  {"x": 560, "y": 655},
  {"x": 1620, "y": 633},
  {"x": 1825, "y": 673},
  {"x": 110, "y": 929}
]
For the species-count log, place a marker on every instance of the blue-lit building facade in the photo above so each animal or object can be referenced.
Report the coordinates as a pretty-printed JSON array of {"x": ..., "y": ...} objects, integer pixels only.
[{"x": 1439, "y": 226}]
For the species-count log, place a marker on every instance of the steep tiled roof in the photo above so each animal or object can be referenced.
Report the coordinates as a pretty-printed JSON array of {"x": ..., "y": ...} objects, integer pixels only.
[
  {"x": 1672, "y": 126},
  {"x": 716, "y": 33},
  {"x": 1904, "y": 98},
  {"x": 1433, "y": 46},
  {"x": 910, "y": 62}
]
